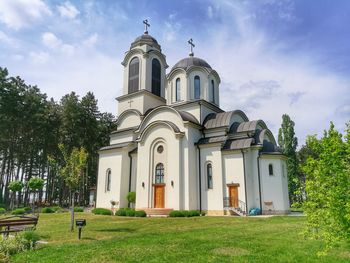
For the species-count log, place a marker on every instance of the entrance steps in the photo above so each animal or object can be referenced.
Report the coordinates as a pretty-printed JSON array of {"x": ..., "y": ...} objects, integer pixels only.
[{"x": 157, "y": 212}]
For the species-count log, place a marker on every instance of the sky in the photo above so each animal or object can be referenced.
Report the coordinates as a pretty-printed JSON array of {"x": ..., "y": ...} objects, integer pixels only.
[{"x": 273, "y": 56}]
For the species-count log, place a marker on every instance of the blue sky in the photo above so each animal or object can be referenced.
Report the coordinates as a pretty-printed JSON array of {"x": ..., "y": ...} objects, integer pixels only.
[{"x": 273, "y": 56}]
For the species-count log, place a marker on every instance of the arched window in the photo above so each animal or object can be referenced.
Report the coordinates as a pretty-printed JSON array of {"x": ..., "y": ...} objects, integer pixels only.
[
  {"x": 156, "y": 72},
  {"x": 270, "y": 169},
  {"x": 197, "y": 87},
  {"x": 209, "y": 176},
  {"x": 159, "y": 173},
  {"x": 134, "y": 73},
  {"x": 178, "y": 89},
  {"x": 108, "y": 180},
  {"x": 212, "y": 91}
]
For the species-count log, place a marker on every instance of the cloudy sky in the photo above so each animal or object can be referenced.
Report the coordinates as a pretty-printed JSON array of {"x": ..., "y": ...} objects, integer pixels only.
[{"x": 273, "y": 56}]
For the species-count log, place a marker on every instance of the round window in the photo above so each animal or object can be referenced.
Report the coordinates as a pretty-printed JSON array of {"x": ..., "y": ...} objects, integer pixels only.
[{"x": 160, "y": 149}]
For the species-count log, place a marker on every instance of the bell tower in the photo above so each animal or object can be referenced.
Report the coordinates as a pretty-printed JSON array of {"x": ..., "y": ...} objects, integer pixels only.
[{"x": 144, "y": 75}]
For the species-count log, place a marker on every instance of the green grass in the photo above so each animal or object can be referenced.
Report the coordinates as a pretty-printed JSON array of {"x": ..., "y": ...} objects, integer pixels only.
[{"x": 196, "y": 239}]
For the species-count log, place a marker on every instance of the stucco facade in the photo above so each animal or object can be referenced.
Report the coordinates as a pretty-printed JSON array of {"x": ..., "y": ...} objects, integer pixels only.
[{"x": 177, "y": 149}]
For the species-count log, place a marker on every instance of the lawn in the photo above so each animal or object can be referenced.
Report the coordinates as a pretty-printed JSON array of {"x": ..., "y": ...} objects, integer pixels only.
[{"x": 201, "y": 239}]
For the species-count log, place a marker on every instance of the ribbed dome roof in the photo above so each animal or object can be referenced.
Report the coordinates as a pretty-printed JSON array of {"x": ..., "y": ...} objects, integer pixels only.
[
  {"x": 145, "y": 39},
  {"x": 191, "y": 61}
]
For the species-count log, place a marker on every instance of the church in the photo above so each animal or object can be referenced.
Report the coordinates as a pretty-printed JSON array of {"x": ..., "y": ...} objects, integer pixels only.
[{"x": 178, "y": 150}]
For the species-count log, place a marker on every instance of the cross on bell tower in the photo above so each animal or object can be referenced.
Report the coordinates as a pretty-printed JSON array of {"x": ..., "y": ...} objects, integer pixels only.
[
  {"x": 191, "y": 47},
  {"x": 146, "y": 26}
]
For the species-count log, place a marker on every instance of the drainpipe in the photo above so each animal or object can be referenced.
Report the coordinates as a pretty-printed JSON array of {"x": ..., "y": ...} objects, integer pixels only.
[
  {"x": 258, "y": 161},
  {"x": 130, "y": 174},
  {"x": 245, "y": 183},
  {"x": 200, "y": 179}
]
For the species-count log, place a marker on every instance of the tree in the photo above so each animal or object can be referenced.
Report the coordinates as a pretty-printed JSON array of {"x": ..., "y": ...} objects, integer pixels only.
[
  {"x": 131, "y": 198},
  {"x": 328, "y": 187},
  {"x": 15, "y": 186},
  {"x": 288, "y": 142},
  {"x": 72, "y": 172},
  {"x": 35, "y": 184}
]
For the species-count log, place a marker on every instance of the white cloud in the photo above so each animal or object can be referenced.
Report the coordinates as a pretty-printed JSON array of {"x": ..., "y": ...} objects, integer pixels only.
[
  {"x": 91, "y": 40},
  {"x": 22, "y": 13},
  {"x": 210, "y": 12},
  {"x": 68, "y": 10},
  {"x": 39, "y": 57},
  {"x": 50, "y": 40},
  {"x": 5, "y": 38}
]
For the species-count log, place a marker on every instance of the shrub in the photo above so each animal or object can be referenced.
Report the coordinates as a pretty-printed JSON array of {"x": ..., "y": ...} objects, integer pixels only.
[
  {"x": 140, "y": 213},
  {"x": 27, "y": 209},
  {"x": 30, "y": 238},
  {"x": 78, "y": 209},
  {"x": 131, "y": 197},
  {"x": 18, "y": 211},
  {"x": 2, "y": 205},
  {"x": 101, "y": 211},
  {"x": 22, "y": 241},
  {"x": 184, "y": 213},
  {"x": 47, "y": 210},
  {"x": 2, "y": 210},
  {"x": 121, "y": 212},
  {"x": 130, "y": 212}
]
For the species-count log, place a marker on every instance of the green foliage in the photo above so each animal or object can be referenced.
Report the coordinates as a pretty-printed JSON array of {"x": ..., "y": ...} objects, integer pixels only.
[
  {"x": 131, "y": 196},
  {"x": 47, "y": 210},
  {"x": 35, "y": 183},
  {"x": 22, "y": 241},
  {"x": 328, "y": 187},
  {"x": 184, "y": 213},
  {"x": 288, "y": 142},
  {"x": 30, "y": 237},
  {"x": 121, "y": 212},
  {"x": 140, "y": 213},
  {"x": 2, "y": 211},
  {"x": 18, "y": 211},
  {"x": 101, "y": 211},
  {"x": 15, "y": 186},
  {"x": 130, "y": 212},
  {"x": 78, "y": 209}
]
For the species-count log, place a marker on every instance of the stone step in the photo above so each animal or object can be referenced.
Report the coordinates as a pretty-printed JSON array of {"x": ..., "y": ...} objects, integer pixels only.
[{"x": 157, "y": 211}]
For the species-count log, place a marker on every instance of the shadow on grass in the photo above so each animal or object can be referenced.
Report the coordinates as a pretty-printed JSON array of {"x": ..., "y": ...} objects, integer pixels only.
[{"x": 127, "y": 230}]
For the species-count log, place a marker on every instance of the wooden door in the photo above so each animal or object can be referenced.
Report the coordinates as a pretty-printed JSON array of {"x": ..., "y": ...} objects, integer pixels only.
[
  {"x": 159, "y": 196},
  {"x": 233, "y": 193}
]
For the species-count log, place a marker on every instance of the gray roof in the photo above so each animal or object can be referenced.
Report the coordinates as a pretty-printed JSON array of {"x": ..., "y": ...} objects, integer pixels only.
[
  {"x": 115, "y": 146},
  {"x": 212, "y": 140},
  {"x": 145, "y": 39},
  {"x": 188, "y": 62},
  {"x": 188, "y": 117},
  {"x": 214, "y": 120},
  {"x": 238, "y": 144},
  {"x": 245, "y": 126}
]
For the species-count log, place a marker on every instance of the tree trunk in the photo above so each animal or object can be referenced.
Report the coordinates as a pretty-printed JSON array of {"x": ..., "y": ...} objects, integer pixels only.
[{"x": 72, "y": 214}]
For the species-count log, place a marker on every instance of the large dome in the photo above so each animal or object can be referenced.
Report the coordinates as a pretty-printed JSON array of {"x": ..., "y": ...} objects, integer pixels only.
[
  {"x": 145, "y": 39},
  {"x": 191, "y": 61}
]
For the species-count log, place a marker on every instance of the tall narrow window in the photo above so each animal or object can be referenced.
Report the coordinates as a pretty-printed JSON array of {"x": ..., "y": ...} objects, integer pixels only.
[
  {"x": 209, "y": 176},
  {"x": 197, "y": 87},
  {"x": 178, "y": 89},
  {"x": 212, "y": 91},
  {"x": 159, "y": 173},
  {"x": 108, "y": 180},
  {"x": 156, "y": 73},
  {"x": 134, "y": 68},
  {"x": 270, "y": 169}
]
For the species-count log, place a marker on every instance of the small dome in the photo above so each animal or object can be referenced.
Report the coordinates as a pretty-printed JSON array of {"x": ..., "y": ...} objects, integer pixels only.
[
  {"x": 145, "y": 39},
  {"x": 191, "y": 61}
]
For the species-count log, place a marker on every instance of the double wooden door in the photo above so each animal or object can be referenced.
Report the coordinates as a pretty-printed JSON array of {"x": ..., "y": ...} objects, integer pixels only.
[
  {"x": 159, "y": 190},
  {"x": 233, "y": 195}
]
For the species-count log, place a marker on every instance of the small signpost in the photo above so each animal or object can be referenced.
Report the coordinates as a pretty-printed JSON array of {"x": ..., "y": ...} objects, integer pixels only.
[{"x": 80, "y": 223}]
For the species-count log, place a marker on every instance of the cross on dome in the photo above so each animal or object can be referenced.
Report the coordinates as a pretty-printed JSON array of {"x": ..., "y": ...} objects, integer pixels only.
[
  {"x": 146, "y": 26},
  {"x": 191, "y": 47}
]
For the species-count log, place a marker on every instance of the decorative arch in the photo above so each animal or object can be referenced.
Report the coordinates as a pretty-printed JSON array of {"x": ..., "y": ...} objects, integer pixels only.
[
  {"x": 127, "y": 113},
  {"x": 144, "y": 131}
]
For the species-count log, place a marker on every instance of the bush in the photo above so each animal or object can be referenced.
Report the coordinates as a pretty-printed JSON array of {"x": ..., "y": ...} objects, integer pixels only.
[
  {"x": 78, "y": 209},
  {"x": 22, "y": 241},
  {"x": 140, "y": 213},
  {"x": 2, "y": 210},
  {"x": 131, "y": 197},
  {"x": 27, "y": 209},
  {"x": 121, "y": 212},
  {"x": 18, "y": 211},
  {"x": 130, "y": 212},
  {"x": 47, "y": 210},
  {"x": 101, "y": 211},
  {"x": 30, "y": 237},
  {"x": 190, "y": 213}
]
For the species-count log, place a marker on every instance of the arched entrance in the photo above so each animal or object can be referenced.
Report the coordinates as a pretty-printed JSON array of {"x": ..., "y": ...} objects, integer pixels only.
[{"x": 159, "y": 186}]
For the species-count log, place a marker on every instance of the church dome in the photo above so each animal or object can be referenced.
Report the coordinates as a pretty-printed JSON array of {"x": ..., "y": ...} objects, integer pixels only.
[
  {"x": 188, "y": 62},
  {"x": 145, "y": 39}
]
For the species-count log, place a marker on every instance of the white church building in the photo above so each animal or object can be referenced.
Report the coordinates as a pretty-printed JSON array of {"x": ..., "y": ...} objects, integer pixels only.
[{"x": 178, "y": 150}]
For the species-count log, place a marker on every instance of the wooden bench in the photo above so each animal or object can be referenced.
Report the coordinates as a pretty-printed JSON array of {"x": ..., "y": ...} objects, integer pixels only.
[{"x": 17, "y": 224}]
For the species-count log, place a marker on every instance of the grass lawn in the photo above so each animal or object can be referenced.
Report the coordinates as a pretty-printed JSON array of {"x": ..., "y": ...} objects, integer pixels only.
[{"x": 201, "y": 239}]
